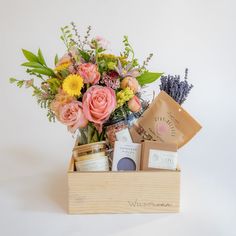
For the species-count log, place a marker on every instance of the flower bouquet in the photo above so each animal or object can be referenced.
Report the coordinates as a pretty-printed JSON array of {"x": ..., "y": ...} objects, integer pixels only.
[{"x": 93, "y": 92}]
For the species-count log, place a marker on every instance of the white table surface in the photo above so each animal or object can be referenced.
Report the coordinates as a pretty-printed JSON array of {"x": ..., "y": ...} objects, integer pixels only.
[{"x": 33, "y": 201}]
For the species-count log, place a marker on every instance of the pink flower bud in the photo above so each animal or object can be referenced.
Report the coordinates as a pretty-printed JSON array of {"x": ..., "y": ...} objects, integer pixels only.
[{"x": 134, "y": 104}]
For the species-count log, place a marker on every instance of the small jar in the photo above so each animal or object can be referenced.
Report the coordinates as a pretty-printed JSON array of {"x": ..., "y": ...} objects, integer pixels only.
[
  {"x": 91, "y": 157},
  {"x": 113, "y": 127}
]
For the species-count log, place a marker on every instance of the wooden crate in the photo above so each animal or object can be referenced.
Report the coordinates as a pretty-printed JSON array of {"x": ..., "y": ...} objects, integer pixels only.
[{"x": 123, "y": 192}]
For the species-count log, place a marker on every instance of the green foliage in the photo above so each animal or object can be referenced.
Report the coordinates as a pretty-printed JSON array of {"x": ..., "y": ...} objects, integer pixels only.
[
  {"x": 41, "y": 58},
  {"x": 32, "y": 64},
  {"x": 111, "y": 65},
  {"x": 29, "y": 71},
  {"x": 30, "y": 56},
  {"x": 84, "y": 55},
  {"x": 77, "y": 40},
  {"x": 67, "y": 37},
  {"x": 56, "y": 60},
  {"x": 44, "y": 71},
  {"x": 37, "y": 63},
  {"x": 145, "y": 63},
  {"x": 54, "y": 85},
  {"x": 91, "y": 131},
  {"x": 108, "y": 62},
  {"x": 121, "y": 112},
  {"x": 148, "y": 77},
  {"x": 64, "y": 73},
  {"x": 12, "y": 80},
  {"x": 129, "y": 52},
  {"x": 95, "y": 137},
  {"x": 51, "y": 116},
  {"x": 19, "y": 83},
  {"x": 45, "y": 104}
]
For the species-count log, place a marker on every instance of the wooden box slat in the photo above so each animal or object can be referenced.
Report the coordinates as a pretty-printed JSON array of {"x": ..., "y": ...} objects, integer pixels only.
[{"x": 123, "y": 192}]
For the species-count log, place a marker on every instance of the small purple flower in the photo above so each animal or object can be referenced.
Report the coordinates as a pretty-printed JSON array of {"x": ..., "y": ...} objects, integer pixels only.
[
  {"x": 111, "y": 79},
  {"x": 176, "y": 88},
  {"x": 127, "y": 70}
]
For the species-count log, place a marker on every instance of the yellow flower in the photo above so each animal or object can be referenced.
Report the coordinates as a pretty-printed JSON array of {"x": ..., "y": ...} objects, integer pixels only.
[
  {"x": 123, "y": 96},
  {"x": 112, "y": 58},
  {"x": 62, "y": 66},
  {"x": 73, "y": 85}
]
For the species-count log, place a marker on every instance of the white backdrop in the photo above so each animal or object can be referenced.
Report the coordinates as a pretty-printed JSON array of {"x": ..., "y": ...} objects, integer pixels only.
[{"x": 34, "y": 154}]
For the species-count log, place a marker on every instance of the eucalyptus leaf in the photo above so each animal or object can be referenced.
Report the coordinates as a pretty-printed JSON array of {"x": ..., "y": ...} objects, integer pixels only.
[
  {"x": 30, "y": 56},
  {"x": 41, "y": 58},
  {"x": 32, "y": 64},
  {"x": 148, "y": 77}
]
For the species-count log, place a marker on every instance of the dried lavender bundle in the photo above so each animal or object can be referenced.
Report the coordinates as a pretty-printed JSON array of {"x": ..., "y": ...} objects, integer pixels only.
[{"x": 176, "y": 88}]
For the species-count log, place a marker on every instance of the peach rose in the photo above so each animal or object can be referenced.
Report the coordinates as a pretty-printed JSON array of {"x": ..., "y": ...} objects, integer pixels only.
[
  {"x": 71, "y": 114},
  {"x": 98, "y": 104},
  {"x": 130, "y": 82},
  {"x": 60, "y": 99},
  {"x": 66, "y": 58},
  {"x": 134, "y": 104},
  {"x": 89, "y": 72}
]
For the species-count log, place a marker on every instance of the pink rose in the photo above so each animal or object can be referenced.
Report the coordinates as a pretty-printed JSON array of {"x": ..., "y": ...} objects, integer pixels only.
[
  {"x": 71, "y": 114},
  {"x": 89, "y": 72},
  {"x": 130, "y": 82},
  {"x": 134, "y": 104},
  {"x": 98, "y": 104},
  {"x": 101, "y": 42}
]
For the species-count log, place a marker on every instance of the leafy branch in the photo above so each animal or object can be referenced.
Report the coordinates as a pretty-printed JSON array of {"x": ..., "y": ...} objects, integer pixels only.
[
  {"x": 45, "y": 103},
  {"x": 145, "y": 62},
  {"x": 67, "y": 37},
  {"x": 19, "y": 83},
  {"x": 76, "y": 33},
  {"x": 129, "y": 51},
  {"x": 36, "y": 64},
  {"x": 86, "y": 37}
]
